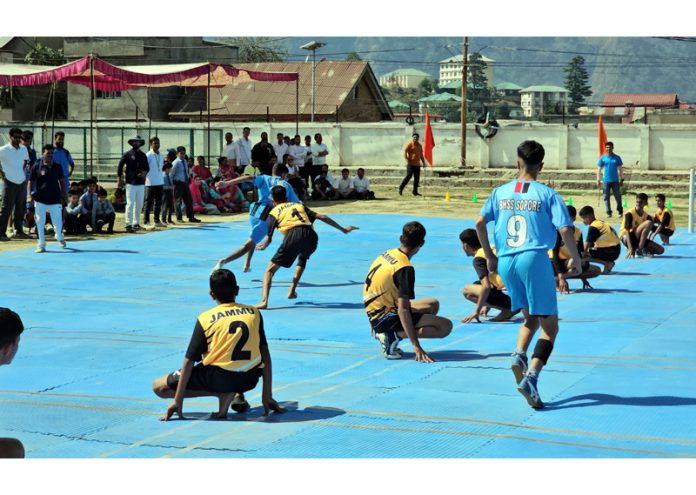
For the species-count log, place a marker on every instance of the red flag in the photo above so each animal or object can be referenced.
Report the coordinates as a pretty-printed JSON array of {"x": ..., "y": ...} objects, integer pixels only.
[
  {"x": 602, "y": 137},
  {"x": 428, "y": 141}
]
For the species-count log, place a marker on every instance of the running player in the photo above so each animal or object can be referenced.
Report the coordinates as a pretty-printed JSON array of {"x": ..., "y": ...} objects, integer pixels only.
[
  {"x": 602, "y": 245},
  {"x": 295, "y": 221},
  {"x": 487, "y": 291},
  {"x": 663, "y": 224},
  {"x": 258, "y": 212},
  {"x": 635, "y": 228},
  {"x": 527, "y": 215},
  {"x": 230, "y": 342},
  {"x": 388, "y": 297}
]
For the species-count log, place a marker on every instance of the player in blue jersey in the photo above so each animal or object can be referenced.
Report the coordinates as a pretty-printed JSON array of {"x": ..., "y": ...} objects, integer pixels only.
[
  {"x": 258, "y": 212},
  {"x": 527, "y": 215}
]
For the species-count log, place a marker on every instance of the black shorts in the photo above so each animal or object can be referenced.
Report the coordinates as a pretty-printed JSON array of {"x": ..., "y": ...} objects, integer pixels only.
[
  {"x": 606, "y": 253},
  {"x": 634, "y": 241},
  {"x": 497, "y": 297},
  {"x": 299, "y": 243},
  {"x": 665, "y": 231},
  {"x": 391, "y": 322},
  {"x": 217, "y": 380}
]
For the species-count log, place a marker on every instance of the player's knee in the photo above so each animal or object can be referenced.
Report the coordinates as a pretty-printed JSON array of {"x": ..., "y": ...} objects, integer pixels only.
[
  {"x": 542, "y": 350},
  {"x": 11, "y": 448},
  {"x": 446, "y": 327},
  {"x": 160, "y": 388},
  {"x": 433, "y": 306}
]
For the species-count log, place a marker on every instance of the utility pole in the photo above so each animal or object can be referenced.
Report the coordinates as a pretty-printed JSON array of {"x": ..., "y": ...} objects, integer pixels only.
[{"x": 465, "y": 70}]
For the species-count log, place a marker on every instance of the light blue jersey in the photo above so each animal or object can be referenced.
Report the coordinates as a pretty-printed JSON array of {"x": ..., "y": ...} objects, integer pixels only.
[
  {"x": 527, "y": 215},
  {"x": 264, "y": 184},
  {"x": 258, "y": 212}
]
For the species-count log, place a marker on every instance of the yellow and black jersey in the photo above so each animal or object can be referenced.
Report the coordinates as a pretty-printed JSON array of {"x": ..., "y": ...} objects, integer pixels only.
[
  {"x": 563, "y": 251},
  {"x": 666, "y": 214},
  {"x": 632, "y": 220},
  {"x": 602, "y": 235},
  {"x": 481, "y": 268},
  {"x": 287, "y": 216},
  {"x": 390, "y": 276},
  {"x": 228, "y": 336}
]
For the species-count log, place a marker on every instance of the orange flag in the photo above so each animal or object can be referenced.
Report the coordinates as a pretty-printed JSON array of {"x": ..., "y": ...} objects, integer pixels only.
[
  {"x": 428, "y": 141},
  {"x": 602, "y": 137}
]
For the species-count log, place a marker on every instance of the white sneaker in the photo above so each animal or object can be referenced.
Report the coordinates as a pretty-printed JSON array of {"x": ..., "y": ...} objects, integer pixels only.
[
  {"x": 40, "y": 249},
  {"x": 63, "y": 244}
]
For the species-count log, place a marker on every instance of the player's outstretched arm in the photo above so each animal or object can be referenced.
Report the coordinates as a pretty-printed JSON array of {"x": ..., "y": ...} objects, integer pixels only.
[
  {"x": 237, "y": 180},
  {"x": 269, "y": 404},
  {"x": 328, "y": 220}
]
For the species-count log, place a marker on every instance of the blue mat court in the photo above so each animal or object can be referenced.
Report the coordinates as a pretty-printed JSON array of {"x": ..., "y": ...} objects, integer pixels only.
[{"x": 105, "y": 318}]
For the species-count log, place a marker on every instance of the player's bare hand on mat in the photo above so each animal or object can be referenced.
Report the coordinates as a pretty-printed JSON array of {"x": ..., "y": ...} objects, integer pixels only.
[
  {"x": 562, "y": 285},
  {"x": 270, "y": 404},
  {"x": 174, "y": 407},
  {"x": 473, "y": 316},
  {"x": 422, "y": 356}
]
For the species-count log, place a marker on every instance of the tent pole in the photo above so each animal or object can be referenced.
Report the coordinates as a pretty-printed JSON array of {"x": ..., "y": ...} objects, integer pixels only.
[
  {"x": 149, "y": 114},
  {"x": 91, "y": 115},
  {"x": 208, "y": 101}
]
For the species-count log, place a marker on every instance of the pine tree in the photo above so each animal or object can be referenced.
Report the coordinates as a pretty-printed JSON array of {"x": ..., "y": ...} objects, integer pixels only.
[
  {"x": 576, "y": 82},
  {"x": 478, "y": 89}
]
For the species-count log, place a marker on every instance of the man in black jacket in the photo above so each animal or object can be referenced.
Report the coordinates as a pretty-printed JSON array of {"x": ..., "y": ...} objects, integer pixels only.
[{"x": 137, "y": 167}]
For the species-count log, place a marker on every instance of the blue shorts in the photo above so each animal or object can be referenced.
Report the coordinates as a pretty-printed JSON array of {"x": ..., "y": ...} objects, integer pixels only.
[
  {"x": 528, "y": 277},
  {"x": 258, "y": 213}
]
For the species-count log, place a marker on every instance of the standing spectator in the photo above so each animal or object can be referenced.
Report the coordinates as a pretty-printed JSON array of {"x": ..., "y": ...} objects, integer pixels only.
[
  {"x": 13, "y": 158},
  {"x": 45, "y": 188},
  {"x": 319, "y": 152},
  {"x": 243, "y": 151},
  {"x": 62, "y": 157},
  {"x": 10, "y": 329},
  {"x": 168, "y": 192},
  {"x": 309, "y": 160},
  {"x": 104, "y": 213},
  {"x": 27, "y": 139},
  {"x": 202, "y": 170},
  {"x": 362, "y": 186},
  {"x": 280, "y": 148},
  {"x": 263, "y": 156},
  {"x": 136, "y": 164},
  {"x": 180, "y": 177},
  {"x": 610, "y": 177},
  {"x": 345, "y": 189},
  {"x": 76, "y": 217},
  {"x": 230, "y": 150},
  {"x": 154, "y": 182},
  {"x": 299, "y": 153},
  {"x": 413, "y": 152}
]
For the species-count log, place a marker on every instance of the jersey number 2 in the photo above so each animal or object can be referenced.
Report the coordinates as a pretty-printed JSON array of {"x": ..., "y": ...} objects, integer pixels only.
[
  {"x": 517, "y": 231},
  {"x": 237, "y": 353}
]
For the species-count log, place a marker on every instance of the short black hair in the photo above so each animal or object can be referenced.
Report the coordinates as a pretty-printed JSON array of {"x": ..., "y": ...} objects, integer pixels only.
[
  {"x": 246, "y": 129},
  {"x": 415, "y": 134},
  {"x": 45, "y": 147},
  {"x": 15, "y": 130},
  {"x": 279, "y": 194},
  {"x": 531, "y": 153},
  {"x": 171, "y": 155},
  {"x": 572, "y": 211},
  {"x": 27, "y": 135},
  {"x": 279, "y": 169},
  {"x": 181, "y": 148},
  {"x": 153, "y": 139},
  {"x": 223, "y": 284},
  {"x": 58, "y": 133},
  {"x": 345, "y": 170},
  {"x": 101, "y": 193},
  {"x": 413, "y": 234},
  {"x": 642, "y": 196},
  {"x": 586, "y": 210},
  {"x": 660, "y": 196},
  {"x": 10, "y": 326},
  {"x": 361, "y": 169},
  {"x": 308, "y": 136},
  {"x": 470, "y": 237},
  {"x": 280, "y": 134},
  {"x": 317, "y": 134},
  {"x": 609, "y": 143},
  {"x": 199, "y": 157},
  {"x": 73, "y": 192},
  {"x": 222, "y": 159}
]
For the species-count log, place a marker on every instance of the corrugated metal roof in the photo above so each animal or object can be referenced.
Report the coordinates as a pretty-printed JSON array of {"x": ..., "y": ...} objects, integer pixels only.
[
  {"x": 641, "y": 99},
  {"x": 440, "y": 97},
  {"x": 334, "y": 82},
  {"x": 543, "y": 88},
  {"x": 406, "y": 72}
]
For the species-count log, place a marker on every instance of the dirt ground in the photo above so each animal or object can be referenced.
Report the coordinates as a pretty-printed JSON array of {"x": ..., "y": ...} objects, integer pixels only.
[{"x": 460, "y": 205}]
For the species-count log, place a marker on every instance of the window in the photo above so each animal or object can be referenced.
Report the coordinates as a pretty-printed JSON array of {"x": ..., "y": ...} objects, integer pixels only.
[{"x": 108, "y": 95}]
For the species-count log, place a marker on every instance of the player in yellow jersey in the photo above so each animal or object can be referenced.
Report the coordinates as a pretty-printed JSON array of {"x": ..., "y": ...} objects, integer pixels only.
[
  {"x": 487, "y": 291},
  {"x": 388, "y": 294},
  {"x": 295, "y": 221},
  {"x": 635, "y": 229},
  {"x": 663, "y": 224},
  {"x": 602, "y": 245},
  {"x": 230, "y": 343}
]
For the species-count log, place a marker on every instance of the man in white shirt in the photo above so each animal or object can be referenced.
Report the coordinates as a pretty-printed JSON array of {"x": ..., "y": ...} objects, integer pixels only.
[
  {"x": 329, "y": 177},
  {"x": 154, "y": 182},
  {"x": 243, "y": 150},
  {"x": 344, "y": 187},
  {"x": 230, "y": 151},
  {"x": 299, "y": 153},
  {"x": 362, "y": 186},
  {"x": 319, "y": 152},
  {"x": 280, "y": 147},
  {"x": 13, "y": 158}
]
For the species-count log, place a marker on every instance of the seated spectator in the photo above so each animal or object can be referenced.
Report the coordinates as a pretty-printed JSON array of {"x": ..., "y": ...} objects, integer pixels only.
[
  {"x": 89, "y": 198},
  {"x": 323, "y": 188},
  {"x": 199, "y": 206},
  {"x": 201, "y": 170},
  {"x": 344, "y": 187},
  {"x": 329, "y": 177},
  {"x": 232, "y": 195},
  {"x": 294, "y": 178},
  {"x": 210, "y": 195},
  {"x": 76, "y": 216},
  {"x": 103, "y": 213},
  {"x": 362, "y": 186},
  {"x": 225, "y": 170},
  {"x": 98, "y": 187},
  {"x": 118, "y": 199}
]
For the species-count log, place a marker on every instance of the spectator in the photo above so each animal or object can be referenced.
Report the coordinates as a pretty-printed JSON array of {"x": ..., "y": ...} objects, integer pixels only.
[
  {"x": 200, "y": 206},
  {"x": 225, "y": 170},
  {"x": 329, "y": 177},
  {"x": 263, "y": 156},
  {"x": 27, "y": 138},
  {"x": 76, "y": 217},
  {"x": 280, "y": 148},
  {"x": 46, "y": 189},
  {"x": 104, "y": 213},
  {"x": 210, "y": 195},
  {"x": 10, "y": 329},
  {"x": 168, "y": 191},
  {"x": 202, "y": 170},
  {"x": 99, "y": 188},
  {"x": 118, "y": 199},
  {"x": 13, "y": 158},
  {"x": 62, "y": 157},
  {"x": 413, "y": 152},
  {"x": 309, "y": 160},
  {"x": 180, "y": 177},
  {"x": 299, "y": 153},
  {"x": 319, "y": 153},
  {"x": 230, "y": 151},
  {"x": 88, "y": 199},
  {"x": 154, "y": 182},
  {"x": 345, "y": 189},
  {"x": 323, "y": 189},
  {"x": 136, "y": 166},
  {"x": 610, "y": 171},
  {"x": 362, "y": 186},
  {"x": 243, "y": 151},
  {"x": 294, "y": 178}
]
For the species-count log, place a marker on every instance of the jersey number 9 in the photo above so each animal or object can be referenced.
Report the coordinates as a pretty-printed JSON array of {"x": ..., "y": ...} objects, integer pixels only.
[{"x": 517, "y": 231}]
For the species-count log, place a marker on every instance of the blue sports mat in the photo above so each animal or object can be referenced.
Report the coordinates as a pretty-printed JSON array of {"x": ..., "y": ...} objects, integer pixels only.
[{"x": 105, "y": 318}]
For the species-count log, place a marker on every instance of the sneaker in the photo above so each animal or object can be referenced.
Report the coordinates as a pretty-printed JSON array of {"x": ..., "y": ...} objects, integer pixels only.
[
  {"x": 417, "y": 194},
  {"x": 194, "y": 220},
  {"x": 63, "y": 244},
  {"x": 239, "y": 404},
  {"x": 129, "y": 229},
  {"x": 519, "y": 366},
  {"x": 608, "y": 214},
  {"x": 390, "y": 345},
  {"x": 620, "y": 212},
  {"x": 639, "y": 253},
  {"x": 137, "y": 227},
  {"x": 647, "y": 253},
  {"x": 160, "y": 225},
  {"x": 21, "y": 235},
  {"x": 528, "y": 388},
  {"x": 40, "y": 249},
  {"x": 401, "y": 192},
  {"x": 4, "y": 238}
]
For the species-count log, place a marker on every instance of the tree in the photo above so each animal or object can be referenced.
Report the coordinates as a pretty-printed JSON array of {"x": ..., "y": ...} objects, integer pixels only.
[
  {"x": 353, "y": 57},
  {"x": 57, "y": 105},
  {"x": 259, "y": 50},
  {"x": 477, "y": 87},
  {"x": 576, "y": 82},
  {"x": 427, "y": 86}
]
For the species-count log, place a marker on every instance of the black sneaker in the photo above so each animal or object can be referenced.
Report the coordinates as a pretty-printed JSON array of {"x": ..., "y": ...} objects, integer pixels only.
[
  {"x": 4, "y": 238},
  {"x": 239, "y": 405},
  {"x": 129, "y": 229},
  {"x": 194, "y": 220},
  {"x": 620, "y": 212},
  {"x": 416, "y": 193},
  {"x": 608, "y": 214}
]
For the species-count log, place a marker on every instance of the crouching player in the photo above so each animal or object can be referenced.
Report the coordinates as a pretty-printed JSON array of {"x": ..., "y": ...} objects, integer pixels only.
[
  {"x": 663, "y": 223},
  {"x": 230, "y": 342},
  {"x": 602, "y": 245}
]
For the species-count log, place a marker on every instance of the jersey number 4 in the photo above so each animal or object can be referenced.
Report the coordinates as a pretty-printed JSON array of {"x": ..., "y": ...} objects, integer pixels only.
[
  {"x": 237, "y": 353},
  {"x": 370, "y": 274},
  {"x": 517, "y": 231}
]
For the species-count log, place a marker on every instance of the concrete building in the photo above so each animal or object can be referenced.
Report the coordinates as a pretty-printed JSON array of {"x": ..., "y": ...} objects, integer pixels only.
[
  {"x": 537, "y": 100},
  {"x": 631, "y": 107},
  {"x": 451, "y": 69},
  {"x": 403, "y": 78}
]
